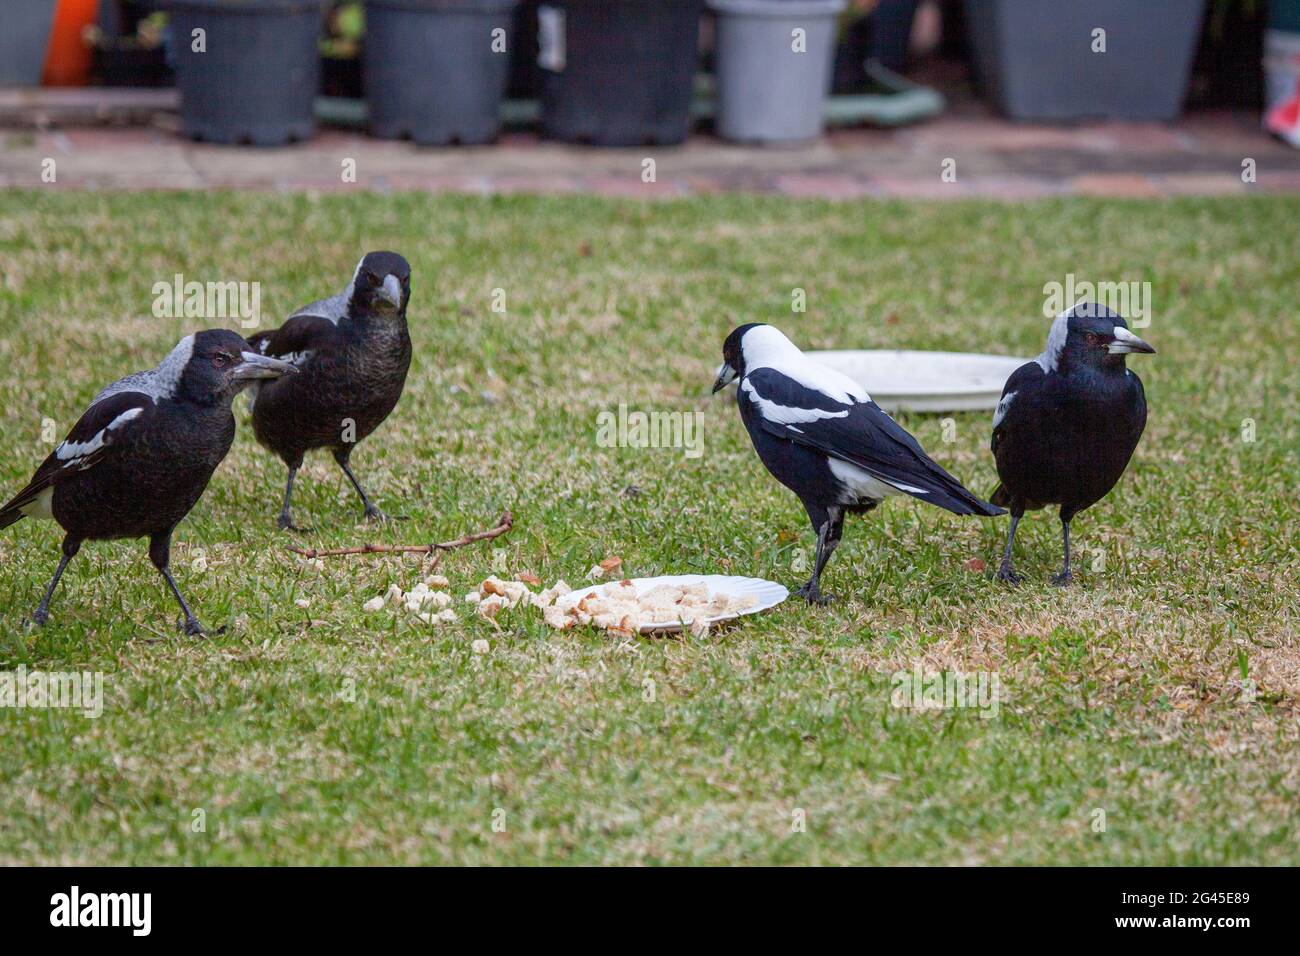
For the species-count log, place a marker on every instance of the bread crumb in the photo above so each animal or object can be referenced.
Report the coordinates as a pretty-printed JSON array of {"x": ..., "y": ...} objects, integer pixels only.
[{"x": 373, "y": 605}]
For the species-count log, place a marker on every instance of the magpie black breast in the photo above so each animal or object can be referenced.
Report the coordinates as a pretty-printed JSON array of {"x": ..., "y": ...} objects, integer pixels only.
[
  {"x": 820, "y": 434},
  {"x": 1068, "y": 422},
  {"x": 141, "y": 455},
  {"x": 353, "y": 352}
]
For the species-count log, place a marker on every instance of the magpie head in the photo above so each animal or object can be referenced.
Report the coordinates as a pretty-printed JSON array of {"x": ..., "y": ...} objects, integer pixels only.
[
  {"x": 221, "y": 365},
  {"x": 381, "y": 286},
  {"x": 733, "y": 356},
  {"x": 1095, "y": 337}
]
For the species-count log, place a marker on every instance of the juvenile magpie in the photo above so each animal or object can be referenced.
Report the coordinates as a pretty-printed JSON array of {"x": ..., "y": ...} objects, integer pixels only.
[
  {"x": 353, "y": 352},
  {"x": 820, "y": 434},
  {"x": 1068, "y": 422},
  {"x": 141, "y": 455}
]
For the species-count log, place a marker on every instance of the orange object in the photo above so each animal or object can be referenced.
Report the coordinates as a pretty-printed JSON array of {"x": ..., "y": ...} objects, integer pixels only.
[{"x": 67, "y": 62}]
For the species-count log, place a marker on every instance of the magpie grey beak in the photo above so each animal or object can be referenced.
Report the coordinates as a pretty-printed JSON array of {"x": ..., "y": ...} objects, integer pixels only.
[
  {"x": 255, "y": 365},
  {"x": 1126, "y": 342},
  {"x": 726, "y": 375},
  {"x": 390, "y": 291}
]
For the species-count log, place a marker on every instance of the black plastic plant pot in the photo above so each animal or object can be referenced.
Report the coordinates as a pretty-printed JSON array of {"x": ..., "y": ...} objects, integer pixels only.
[
  {"x": 436, "y": 70},
  {"x": 251, "y": 76},
  {"x": 1062, "y": 60},
  {"x": 618, "y": 73}
]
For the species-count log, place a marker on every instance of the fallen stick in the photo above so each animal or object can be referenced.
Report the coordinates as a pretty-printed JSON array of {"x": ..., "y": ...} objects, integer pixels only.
[{"x": 505, "y": 524}]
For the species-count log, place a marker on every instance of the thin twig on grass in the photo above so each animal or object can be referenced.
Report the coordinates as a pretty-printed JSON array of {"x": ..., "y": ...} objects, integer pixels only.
[{"x": 505, "y": 524}]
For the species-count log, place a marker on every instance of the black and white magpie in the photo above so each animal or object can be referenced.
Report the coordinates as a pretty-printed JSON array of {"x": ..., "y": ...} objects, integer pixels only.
[
  {"x": 353, "y": 352},
  {"x": 141, "y": 455},
  {"x": 1068, "y": 422},
  {"x": 820, "y": 434}
]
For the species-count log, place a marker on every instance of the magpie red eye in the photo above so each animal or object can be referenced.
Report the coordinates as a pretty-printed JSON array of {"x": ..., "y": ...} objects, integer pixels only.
[
  {"x": 371, "y": 279},
  {"x": 220, "y": 360},
  {"x": 1093, "y": 338}
]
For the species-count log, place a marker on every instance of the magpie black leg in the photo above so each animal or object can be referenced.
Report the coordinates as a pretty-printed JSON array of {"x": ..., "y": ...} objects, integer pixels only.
[
  {"x": 1065, "y": 577},
  {"x": 828, "y": 539},
  {"x": 160, "y": 553},
  {"x": 1005, "y": 570},
  {"x": 341, "y": 455},
  {"x": 71, "y": 546},
  {"x": 285, "y": 521}
]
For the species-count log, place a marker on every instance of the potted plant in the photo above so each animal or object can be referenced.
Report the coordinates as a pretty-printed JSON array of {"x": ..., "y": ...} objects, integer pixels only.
[
  {"x": 436, "y": 70},
  {"x": 774, "y": 60},
  {"x": 618, "y": 73},
  {"x": 126, "y": 46},
  {"x": 24, "y": 41},
  {"x": 340, "y": 50},
  {"x": 247, "y": 70},
  {"x": 1062, "y": 60}
]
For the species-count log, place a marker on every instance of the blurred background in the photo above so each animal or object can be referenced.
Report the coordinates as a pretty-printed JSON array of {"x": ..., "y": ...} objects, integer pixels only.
[{"x": 849, "y": 94}]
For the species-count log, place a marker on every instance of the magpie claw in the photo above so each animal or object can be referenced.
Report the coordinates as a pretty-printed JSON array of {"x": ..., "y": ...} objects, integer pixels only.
[
  {"x": 191, "y": 627},
  {"x": 814, "y": 595},
  {"x": 34, "y": 622},
  {"x": 375, "y": 514},
  {"x": 285, "y": 523},
  {"x": 1009, "y": 574},
  {"x": 1063, "y": 579}
]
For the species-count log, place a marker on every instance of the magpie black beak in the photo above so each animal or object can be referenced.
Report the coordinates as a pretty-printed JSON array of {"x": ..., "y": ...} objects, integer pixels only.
[
  {"x": 1126, "y": 342},
  {"x": 726, "y": 375},
  {"x": 390, "y": 291},
  {"x": 255, "y": 365}
]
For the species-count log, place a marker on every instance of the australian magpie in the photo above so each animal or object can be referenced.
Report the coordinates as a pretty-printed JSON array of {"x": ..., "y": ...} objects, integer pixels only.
[
  {"x": 1068, "y": 422},
  {"x": 353, "y": 352},
  {"x": 820, "y": 434},
  {"x": 141, "y": 455}
]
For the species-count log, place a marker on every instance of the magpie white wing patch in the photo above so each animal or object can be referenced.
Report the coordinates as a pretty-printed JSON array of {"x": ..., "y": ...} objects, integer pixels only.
[
  {"x": 72, "y": 452},
  {"x": 784, "y": 414},
  {"x": 1004, "y": 405}
]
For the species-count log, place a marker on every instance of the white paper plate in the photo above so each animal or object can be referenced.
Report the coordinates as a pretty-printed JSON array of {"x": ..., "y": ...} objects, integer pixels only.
[
  {"x": 768, "y": 593},
  {"x": 925, "y": 381}
]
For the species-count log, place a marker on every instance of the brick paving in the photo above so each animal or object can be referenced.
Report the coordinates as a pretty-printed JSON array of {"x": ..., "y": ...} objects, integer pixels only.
[{"x": 102, "y": 139}]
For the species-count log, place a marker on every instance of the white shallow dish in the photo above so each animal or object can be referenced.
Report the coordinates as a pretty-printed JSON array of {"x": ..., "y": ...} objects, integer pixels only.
[
  {"x": 925, "y": 381},
  {"x": 768, "y": 593}
]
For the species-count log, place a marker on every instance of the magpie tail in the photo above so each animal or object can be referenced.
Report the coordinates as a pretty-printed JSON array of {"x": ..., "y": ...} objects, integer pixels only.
[
  {"x": 10, "y": 514},
  {"x": 947, "y": 492}
]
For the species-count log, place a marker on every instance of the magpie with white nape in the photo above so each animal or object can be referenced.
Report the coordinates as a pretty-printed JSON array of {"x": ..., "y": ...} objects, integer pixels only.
[
  {"x": 1068, "y": 422},
  {"x": 353, "y": 351},
  {"x": 820, "y": 434},
  {"x": 141, "y": 455}
]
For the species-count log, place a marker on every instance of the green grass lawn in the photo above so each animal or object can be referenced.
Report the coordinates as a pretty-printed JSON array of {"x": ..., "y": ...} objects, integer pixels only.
[{"x": 1123, "y": 694}]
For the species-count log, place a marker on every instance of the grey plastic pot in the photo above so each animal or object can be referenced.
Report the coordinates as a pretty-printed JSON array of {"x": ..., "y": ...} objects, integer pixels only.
[
  {"x": 772, "y": 79},
  {"x": 255, "y": 79},
  {"x": 431, "y": 71},
  {"x": 1035, "y": 60},
  {"x": 24, "y": 38}
]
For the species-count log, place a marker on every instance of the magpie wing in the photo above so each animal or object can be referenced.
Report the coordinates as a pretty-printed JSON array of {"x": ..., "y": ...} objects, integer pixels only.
[
  {"x": 857, "y": 432},
  {"x": 301, "y": 334},
  {"x": 1023, "y": 382},
  {"x": 99, "y": 433}
]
